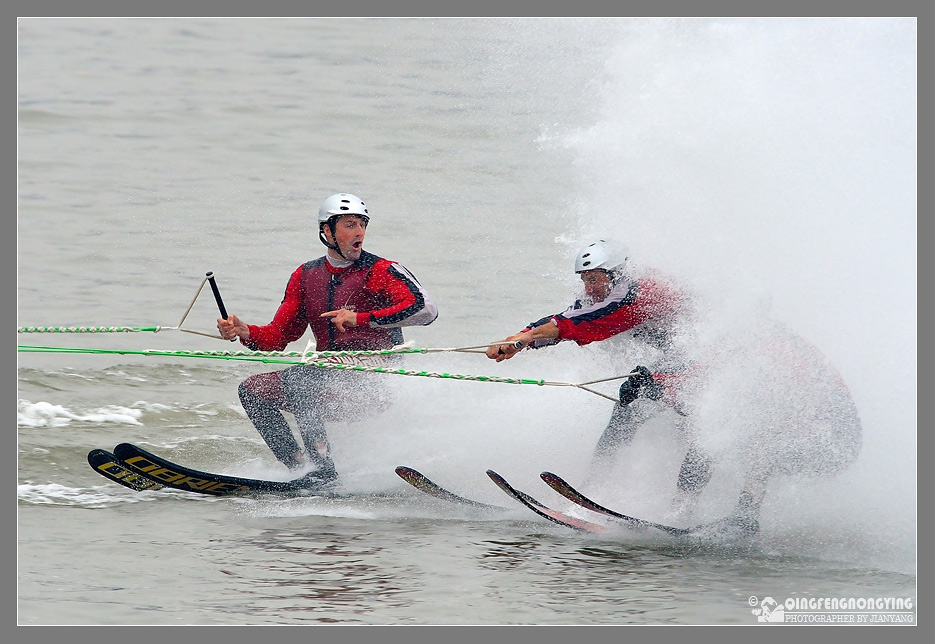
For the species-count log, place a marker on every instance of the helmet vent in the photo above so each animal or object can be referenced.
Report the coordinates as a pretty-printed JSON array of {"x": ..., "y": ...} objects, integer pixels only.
[{"x": 588, "y": 263}]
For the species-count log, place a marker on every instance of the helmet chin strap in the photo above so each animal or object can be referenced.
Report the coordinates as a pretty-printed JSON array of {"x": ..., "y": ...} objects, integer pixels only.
[{"x": 334, "y": 235}]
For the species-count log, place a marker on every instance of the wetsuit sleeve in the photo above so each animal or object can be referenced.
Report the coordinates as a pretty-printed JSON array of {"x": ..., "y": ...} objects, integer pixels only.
[
  {"x": 620, "y": 312},
  {"x": 541, "y": 342},
  {"x": 409, "y": 304},
  {"x": 288, "y": 324}
]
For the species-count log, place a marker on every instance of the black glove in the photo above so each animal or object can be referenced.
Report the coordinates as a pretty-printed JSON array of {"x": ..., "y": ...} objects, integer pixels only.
[{"x": 641, "y": 383}]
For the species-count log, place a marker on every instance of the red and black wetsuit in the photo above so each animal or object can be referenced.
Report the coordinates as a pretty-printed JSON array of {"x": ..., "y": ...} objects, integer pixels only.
[
  {"x": 649, "y": 306},
  {"x": 383, "y": 293},
  {"x": 385, "y": 296}
]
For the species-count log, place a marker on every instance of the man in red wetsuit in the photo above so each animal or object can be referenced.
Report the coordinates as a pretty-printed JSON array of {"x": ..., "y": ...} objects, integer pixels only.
[
  {"x": 614, "y": 302},
  {"x": 823, "y": 441},
  {"x": 351, "y": 300}
]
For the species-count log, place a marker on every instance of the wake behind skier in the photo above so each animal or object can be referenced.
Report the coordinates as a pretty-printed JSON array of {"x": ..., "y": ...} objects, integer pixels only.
[{"x": 808, "y": 425}]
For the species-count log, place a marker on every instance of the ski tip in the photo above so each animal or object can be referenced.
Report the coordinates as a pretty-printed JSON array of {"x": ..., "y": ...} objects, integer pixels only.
[
  {"x": 504, "y": 485},
  {"x": 109, "y": 466},
  {"x": 411, "y": 476},
  {"x": 421, "y": 482},
  {"x": 98, "y": 457},
  {"x": 499, "y": 480}
]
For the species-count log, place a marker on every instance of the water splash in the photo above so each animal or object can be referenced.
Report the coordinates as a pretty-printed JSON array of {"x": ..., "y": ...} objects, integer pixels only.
[{"x": 771, "y": 167}]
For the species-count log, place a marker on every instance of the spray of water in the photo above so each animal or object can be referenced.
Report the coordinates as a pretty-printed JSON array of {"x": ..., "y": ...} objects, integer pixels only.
[{"x": 770, "y": 166}]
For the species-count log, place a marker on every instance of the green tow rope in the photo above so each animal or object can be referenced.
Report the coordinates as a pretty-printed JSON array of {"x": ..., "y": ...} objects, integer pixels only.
[
  {"x": 90, "y": 329},
  {"x": 233, "y": 355},
  {"x": 289, "y": 358},
  {"x": 333, "y": 359},
  {"x": 314, "y": 360}
]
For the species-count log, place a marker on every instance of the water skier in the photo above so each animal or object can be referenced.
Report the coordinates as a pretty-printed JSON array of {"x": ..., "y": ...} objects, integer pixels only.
[
  {"x": 351, "y": 300},
  {"x": 811, "y": 426}
]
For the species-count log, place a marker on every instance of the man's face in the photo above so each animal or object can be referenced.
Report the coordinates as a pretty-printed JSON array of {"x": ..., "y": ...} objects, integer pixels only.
[
  {"x": 349, "y": 235},
  {"x": 597, "y": 284}
]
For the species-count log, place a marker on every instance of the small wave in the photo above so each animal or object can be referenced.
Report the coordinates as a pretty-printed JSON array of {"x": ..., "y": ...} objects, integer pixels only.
[
  {"x": 93, "y": 497},
  {"x": 44, "y": 414}
]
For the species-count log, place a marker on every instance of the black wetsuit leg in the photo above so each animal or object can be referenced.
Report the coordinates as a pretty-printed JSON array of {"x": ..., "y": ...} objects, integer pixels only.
[
  {"x": 304, "y": 389},
  {"x": 264, "y": 412},
  {"x": 696, "y": 471}
]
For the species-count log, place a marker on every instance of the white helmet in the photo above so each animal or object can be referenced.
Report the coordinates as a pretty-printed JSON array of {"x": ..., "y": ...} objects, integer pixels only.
[
  {"x": 602, "y": 254},
  {"x": 335, "y": 206},
  {"x": 342, "y": 204}
]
